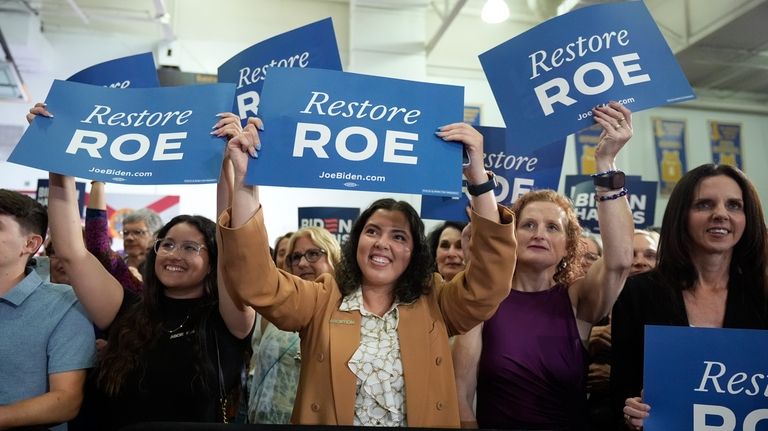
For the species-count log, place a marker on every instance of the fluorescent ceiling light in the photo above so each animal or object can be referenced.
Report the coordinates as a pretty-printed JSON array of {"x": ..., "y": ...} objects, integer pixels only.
[{"x": 495, "y": 11}]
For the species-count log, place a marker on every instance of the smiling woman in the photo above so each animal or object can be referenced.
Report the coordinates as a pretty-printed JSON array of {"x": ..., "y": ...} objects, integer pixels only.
[
  {"x": 711, "y": 272},
  {"x": 173, "y": 352},
  {"x": 377, "y": 332}
]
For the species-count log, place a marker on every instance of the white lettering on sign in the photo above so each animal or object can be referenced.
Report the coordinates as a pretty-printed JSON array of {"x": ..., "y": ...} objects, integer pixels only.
[
  {"x": 557, "y": 90},
  {"x": 135, "y": 119},
  {"x": 315, "y": 137},
  {"x": 92, "y": 142},
  {"x": 250, "y": 76},
  {"x": 574, "y": 50},
  {"x": 357, "y": 109}
]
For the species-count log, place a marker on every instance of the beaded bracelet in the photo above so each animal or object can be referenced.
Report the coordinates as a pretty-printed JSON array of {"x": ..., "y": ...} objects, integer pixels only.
[{"x": 622, "y": 192}]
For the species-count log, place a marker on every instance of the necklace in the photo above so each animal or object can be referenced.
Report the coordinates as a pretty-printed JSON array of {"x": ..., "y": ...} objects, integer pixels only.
[{"x": 171, "y": 331}]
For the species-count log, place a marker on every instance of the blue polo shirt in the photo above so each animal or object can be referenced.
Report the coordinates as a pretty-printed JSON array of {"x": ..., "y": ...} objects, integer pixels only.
[{"x": 43, "y": 330}]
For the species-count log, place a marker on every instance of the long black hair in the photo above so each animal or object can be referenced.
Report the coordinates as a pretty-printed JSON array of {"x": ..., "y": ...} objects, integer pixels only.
[
  {"x": 415, "y": 280},
  {"x": 141, "y": 327},
  {"x": 748, "y": 261}
]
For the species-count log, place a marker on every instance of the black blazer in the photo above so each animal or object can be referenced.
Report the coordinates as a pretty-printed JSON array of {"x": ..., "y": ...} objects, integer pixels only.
[{"x": 645, "y": 300}]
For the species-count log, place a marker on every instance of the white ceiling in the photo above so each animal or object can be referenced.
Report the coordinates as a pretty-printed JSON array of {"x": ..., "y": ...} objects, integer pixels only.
[{"x": 722, "y": 45}]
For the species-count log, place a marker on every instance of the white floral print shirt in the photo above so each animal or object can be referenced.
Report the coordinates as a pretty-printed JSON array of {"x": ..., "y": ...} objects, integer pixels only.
[{"x": 380, "y": 399}]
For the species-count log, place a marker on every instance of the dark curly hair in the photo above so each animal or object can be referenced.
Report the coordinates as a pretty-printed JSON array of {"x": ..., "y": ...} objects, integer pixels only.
[
  {"x": 141, "y": 326},
  {"x": 750, "y": 254},
  {"x": 415, "y": 280},
  {"x": 570, "y": 267}
]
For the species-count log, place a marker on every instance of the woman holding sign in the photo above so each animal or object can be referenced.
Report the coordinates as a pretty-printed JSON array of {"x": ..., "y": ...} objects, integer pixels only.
[
  {"x": 711, "y": 272},
  {"x": 527, "y": 363},
  {"x": 377, "y": 332},
  {"x": 175, "y": 352}
]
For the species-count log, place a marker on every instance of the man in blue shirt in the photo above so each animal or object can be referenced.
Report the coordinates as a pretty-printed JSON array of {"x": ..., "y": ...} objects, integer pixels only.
[{"x": 47, "y": 342}]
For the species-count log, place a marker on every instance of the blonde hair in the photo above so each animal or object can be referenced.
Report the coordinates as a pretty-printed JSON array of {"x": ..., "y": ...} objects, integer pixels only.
[{"x": 322, "y": 238}]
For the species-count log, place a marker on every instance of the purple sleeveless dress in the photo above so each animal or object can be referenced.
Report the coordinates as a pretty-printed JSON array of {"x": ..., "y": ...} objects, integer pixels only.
[{"x": 532, "y": 370}]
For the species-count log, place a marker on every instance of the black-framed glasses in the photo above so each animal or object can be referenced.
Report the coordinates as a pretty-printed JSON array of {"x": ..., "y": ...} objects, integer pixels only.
[
  {"x": 312, "y": 255},
  {"x": 188, "y": 249},
  {"x": 135, "y": 233}
]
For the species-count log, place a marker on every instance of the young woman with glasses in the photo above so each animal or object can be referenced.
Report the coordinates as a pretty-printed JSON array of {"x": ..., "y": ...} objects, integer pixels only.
[
  {"x": 276, "y": 359},
  {"x": 374, "y": 336},
  {"x": 175, "y": 352}
]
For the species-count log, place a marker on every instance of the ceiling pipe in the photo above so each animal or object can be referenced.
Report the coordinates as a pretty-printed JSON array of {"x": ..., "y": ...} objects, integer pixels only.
[
  {"x": 447, "y": 21},
  {"x": 79, "y": 12}
]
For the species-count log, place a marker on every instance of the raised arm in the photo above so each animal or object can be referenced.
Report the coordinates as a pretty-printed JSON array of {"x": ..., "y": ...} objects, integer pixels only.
[
  {"x": 98, "y": 291},
  {"x": 485, "y": 204},
  {"x": 595, "y": 294},
  {"x": 97, "y": 240},
  {"x": 237, "y": 316}
]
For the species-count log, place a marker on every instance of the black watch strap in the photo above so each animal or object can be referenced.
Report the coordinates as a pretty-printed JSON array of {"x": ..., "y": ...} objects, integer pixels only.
[
  {"x": 612, "y": 180},
  {"x": 478, "y": 189}
]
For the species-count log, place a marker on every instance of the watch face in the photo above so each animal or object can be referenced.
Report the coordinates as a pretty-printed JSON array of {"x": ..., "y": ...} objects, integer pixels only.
[
  {"x": 614, "y": 180},
  {"x": 617, "y": 180}
]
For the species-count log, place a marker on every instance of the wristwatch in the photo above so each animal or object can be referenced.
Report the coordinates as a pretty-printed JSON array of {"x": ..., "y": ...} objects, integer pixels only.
[
  {"x": 478, "y": 189},
  {"x": 612, "y": 180}
]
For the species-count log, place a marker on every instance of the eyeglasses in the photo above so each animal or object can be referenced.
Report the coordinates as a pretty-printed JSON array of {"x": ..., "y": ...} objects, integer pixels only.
[
  {"x": 136, "y": 233},
  {"x": 312, "y": 255},
  {"x": 188, "y": 249}
]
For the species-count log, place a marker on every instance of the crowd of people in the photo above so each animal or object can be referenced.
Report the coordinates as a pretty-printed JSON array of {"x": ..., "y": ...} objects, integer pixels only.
[{"x": 517, "y": 320}]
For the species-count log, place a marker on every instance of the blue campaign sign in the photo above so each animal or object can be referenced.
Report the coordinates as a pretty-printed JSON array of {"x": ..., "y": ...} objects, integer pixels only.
[
  {"x": 337, "y": 221},
  {"x": 133, "y": 136},
  {"x": 336, "y": 130},
  {"x": 313, "y": 45},
  {"x": 705, "y": 379},
  {"x": 547, "y": 80},
  {"x": 135, "y": 71},
  {"x": 641, "y": 196},
  {"x": 519, "y": 167}
]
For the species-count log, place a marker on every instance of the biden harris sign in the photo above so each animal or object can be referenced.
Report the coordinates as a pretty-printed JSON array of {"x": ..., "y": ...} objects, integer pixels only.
[
  {"x": 547, "y": 80},
  {"x": 130, "y": 136}
]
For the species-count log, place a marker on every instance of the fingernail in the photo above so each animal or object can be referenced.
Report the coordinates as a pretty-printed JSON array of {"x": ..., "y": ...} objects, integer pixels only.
[
  {"x": 49, "y": 115},
  {"x": 439, "y": 129},
  {"x": 45, "y": 104},
  {"x": 213, "y": 132},
  {"x": 221, "y": 114},
  {"x": 214, "y": 126},
  {"x": 261, "y": 127},
  {"x": 258, "y": 146}
]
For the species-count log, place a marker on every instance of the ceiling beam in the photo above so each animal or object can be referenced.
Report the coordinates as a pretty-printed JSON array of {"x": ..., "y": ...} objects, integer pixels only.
[{"x": 447, "y": 21}]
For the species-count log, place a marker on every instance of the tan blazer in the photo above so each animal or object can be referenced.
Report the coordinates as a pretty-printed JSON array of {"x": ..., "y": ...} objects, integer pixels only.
[{"x": 329, "y": 337}]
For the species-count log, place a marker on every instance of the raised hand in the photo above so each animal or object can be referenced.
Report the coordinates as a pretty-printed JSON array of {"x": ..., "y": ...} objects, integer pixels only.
[
  {"x": 244, "y": 144},
  {"x": 39, "y": 109},
  {"x": 616, "y": 120},
  {"x": 473, "y": 142}
]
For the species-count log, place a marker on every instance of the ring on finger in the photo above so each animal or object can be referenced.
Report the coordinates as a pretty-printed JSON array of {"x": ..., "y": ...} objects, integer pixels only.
[{"x": 622, "y": 119}]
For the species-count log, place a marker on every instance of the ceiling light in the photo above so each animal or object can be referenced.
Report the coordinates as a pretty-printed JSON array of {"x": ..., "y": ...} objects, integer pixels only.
[{"x": 495, "y": 11}]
